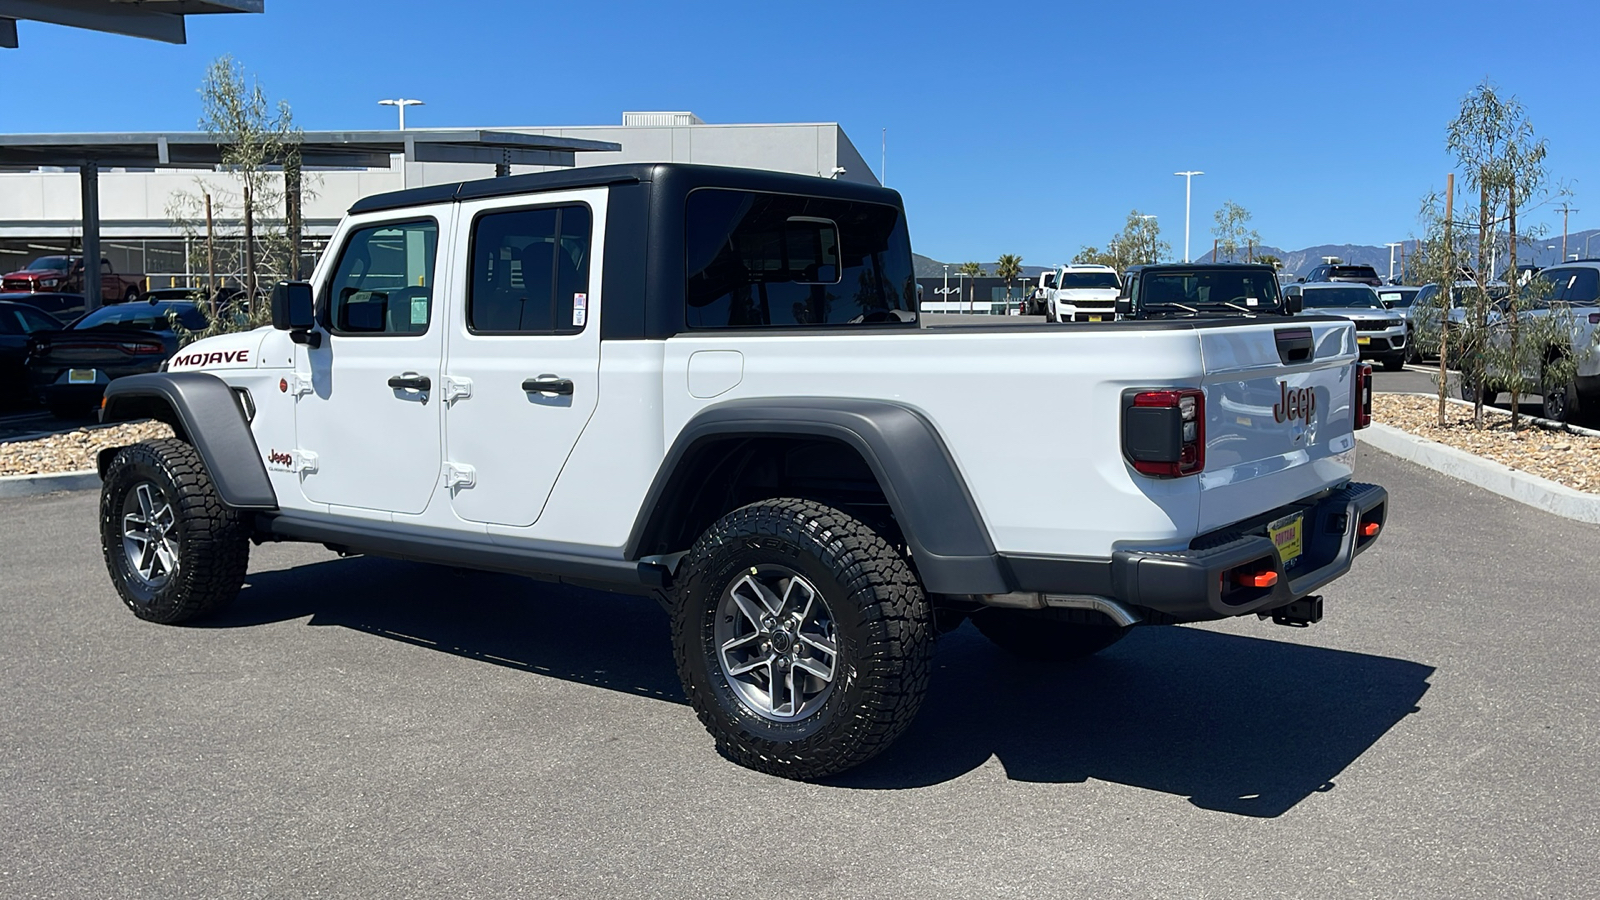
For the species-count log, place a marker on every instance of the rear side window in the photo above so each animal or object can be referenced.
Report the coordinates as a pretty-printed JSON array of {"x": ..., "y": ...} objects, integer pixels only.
[
  {"x": 1583, "y": 289},
  {"x": 384, "y": 282},
  {"x": 757, "y": 260},
  {"x": 530, "y": 271}
]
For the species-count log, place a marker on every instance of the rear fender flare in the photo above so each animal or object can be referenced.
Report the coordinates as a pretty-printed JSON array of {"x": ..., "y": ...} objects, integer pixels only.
[{"x": 949, "y": 544}]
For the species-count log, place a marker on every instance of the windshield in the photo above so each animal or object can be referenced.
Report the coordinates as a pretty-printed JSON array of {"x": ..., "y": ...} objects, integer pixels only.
[
  {"x": 1397, "y": 299},
  {"x": 1342, "y": 298},
  {"x": 50, "y": 264},
  {"x": 1244, "y": 291},
  {"x": 142, "y": 316},
  {"x": 1089, "y": 280}
]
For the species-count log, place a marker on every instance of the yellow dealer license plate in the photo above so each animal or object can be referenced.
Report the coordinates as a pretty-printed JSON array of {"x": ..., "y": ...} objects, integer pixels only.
[
  {"x": 1286, "y": 536},
  {"x": 80, "y": 376},
  {"x": 1363, "y": 341},
  {"x": 1094, "y": 318}
]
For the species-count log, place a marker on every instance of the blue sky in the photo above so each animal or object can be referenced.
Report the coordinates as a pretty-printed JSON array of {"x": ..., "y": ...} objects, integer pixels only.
[{"x": 1013, "y": 127}]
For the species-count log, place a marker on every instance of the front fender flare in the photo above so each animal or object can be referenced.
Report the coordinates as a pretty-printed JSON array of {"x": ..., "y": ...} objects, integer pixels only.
[
  {"x": 202, "y": 409},
  {"x": 949, "y": 544}
]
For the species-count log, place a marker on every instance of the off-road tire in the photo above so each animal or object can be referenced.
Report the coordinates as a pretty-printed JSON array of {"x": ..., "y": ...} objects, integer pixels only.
[
  {"x": 213, "y": 546},
  {"x": 1048, "y": 635},
  {"x": 883, "y": 622}
]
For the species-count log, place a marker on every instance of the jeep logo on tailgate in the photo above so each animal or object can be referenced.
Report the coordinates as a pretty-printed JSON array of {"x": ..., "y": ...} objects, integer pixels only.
[{"x": 1295, "y": 403}]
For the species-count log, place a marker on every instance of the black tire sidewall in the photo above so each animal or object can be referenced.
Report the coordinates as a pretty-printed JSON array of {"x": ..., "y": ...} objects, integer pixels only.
[
  {"x": 702, "y": 597},
  {"x": 189, "y": 592}
]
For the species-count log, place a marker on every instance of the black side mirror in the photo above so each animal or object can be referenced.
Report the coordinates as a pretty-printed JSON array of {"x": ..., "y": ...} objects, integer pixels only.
[
  {"x": 1293, "y": 304},
  {"x": 293, "y": 311},
  {"x": 1124, "y": 306}
]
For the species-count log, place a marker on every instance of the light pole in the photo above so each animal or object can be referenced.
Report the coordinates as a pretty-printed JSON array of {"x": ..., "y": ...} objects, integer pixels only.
[
  {"x": 1586, "y": 241},
  {"x": 1188, "y": 194},
  {"x": 401, "y": 103},
  {"x": 1391, "y": 260}
]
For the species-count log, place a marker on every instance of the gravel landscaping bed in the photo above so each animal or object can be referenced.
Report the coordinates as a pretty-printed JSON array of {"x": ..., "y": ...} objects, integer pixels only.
[
  {"x": 1569, "y": 459},
  {"x": 75, "y": 450}
]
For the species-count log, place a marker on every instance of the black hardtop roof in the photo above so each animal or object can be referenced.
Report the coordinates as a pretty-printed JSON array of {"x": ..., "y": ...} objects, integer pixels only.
[{"x": 684, "y": 175}]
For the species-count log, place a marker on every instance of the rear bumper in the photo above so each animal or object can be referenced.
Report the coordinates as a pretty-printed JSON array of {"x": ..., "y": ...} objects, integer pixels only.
[{"x": 1196, "y": 584}]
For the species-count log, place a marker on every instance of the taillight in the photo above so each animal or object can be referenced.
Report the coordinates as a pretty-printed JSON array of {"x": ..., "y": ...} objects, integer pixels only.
[
  {"x": 141, "y": 349},
  {"x": 1363, "y": 398},
  {"x": 1594, "y": 318},
  {"x": 1164, "y": 432}
]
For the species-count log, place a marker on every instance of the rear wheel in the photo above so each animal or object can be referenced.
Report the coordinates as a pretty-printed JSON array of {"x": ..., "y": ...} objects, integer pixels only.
[
  {"x": 1048, "y": 635},
  {"x": 130, "y": 295},
  {"x": 1560, "y": 402},
  {"x": 173, "y": 550},
  {"x": 803, "y": 639}
]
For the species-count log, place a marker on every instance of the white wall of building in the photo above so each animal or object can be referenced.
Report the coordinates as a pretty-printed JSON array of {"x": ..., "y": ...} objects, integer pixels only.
[{"x": 135, "y": 204}]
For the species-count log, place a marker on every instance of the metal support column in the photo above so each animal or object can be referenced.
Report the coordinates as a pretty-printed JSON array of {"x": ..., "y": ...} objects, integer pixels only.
[{"x": 89, "y": 180}]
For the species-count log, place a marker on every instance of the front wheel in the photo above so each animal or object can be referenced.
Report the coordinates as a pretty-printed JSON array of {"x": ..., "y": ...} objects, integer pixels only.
[
  {"x": 173, "y": 550},
  {"x": 802, "y": 638}
]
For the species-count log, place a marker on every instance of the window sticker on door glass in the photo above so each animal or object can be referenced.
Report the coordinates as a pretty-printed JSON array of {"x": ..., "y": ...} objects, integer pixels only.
[
  {"x": 580, "y": 309},
  {"x": 419, "y": 310}
]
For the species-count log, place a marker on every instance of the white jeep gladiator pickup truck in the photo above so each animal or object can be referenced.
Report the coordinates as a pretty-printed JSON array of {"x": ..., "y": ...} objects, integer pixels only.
[{"x": 710, "y": 385}]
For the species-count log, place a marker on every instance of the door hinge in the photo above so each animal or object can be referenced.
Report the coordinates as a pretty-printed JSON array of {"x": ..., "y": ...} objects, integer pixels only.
[
  {"x": 456, "y": 388},
  {"x": 302, "y": 384},
  {"x": 305, "y": 461},
  {"x": 457, "y": 475}
]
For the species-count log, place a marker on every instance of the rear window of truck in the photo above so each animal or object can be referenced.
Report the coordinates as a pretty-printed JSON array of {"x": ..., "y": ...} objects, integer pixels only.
[{"x": 754, "y": 260}]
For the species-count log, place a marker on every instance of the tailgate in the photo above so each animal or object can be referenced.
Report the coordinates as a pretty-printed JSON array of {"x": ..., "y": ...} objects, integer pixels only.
[{"x": 1280, "y": 415}]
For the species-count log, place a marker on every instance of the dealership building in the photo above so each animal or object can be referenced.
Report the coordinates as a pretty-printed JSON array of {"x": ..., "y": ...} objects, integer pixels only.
[{"x": 152, "y": 219}]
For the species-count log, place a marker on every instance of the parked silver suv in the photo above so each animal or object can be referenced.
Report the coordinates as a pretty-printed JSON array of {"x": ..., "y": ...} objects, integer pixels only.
[{"x": 1380, "y": 332}]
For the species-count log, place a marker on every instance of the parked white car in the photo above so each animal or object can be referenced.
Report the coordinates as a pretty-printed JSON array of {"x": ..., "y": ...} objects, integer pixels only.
[{"x": 1083, "y": 293}]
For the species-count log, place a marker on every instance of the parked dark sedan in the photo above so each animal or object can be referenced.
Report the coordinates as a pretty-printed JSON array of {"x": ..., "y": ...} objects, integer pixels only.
[
  {"x": 65, "y": 307},
  {"x": 68, "y": 370},
  {"x": 18, "y": 323}
]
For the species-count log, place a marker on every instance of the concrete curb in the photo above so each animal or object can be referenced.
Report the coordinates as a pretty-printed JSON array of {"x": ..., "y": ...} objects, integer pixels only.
[
  {"x": 1540, "y": 493},
  {"x": 29, "y": 485}
]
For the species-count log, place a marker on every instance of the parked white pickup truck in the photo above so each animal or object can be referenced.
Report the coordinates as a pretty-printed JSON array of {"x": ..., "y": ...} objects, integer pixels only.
[{"x": 710, "y": 385}]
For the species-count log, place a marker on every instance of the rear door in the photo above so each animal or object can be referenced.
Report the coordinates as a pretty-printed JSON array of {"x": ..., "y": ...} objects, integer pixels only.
[
  {"x": 1279, "y": 415},
  {"x": 523, "y": 376}
]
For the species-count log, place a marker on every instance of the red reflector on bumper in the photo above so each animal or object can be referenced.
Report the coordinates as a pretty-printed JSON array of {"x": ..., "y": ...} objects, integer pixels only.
[
  {"x": 1259, "y": 579},
  {"x": 1369, "y": 529}
]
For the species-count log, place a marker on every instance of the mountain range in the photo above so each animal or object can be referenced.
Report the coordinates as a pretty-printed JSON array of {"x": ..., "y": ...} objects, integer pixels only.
[{"x": 1545, "y": 251}]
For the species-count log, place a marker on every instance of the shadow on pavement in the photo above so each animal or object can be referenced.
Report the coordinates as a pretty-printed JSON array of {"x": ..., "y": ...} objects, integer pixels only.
[{"x": 1242, "y": 725}]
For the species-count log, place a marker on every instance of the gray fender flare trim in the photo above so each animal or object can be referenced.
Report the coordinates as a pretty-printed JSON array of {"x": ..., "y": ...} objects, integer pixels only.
[
  {"x": 949, "y": 544},
  {"x": 204, "y": 412}
]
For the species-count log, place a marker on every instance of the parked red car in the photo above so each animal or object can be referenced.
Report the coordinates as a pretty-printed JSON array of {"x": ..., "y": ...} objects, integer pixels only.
[{"x": 64, "y": 274}]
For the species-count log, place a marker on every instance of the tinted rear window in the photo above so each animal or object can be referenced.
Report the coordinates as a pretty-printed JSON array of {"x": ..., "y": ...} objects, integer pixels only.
[
  {"x": 755, "y": 260},
  {"x": 1331, "y": 298},
  {"x": 1352, "y": 272},
  {"x": 1251, "y": 290},
  {"x": 143, "y": 316}
]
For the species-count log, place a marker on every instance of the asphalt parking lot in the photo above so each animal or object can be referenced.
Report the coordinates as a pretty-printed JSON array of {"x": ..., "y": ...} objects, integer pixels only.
[{"x": 369, "y": 728}]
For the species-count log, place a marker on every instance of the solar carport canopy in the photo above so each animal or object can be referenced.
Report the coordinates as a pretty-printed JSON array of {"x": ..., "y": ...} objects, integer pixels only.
[{"x": 191, "y": 150}]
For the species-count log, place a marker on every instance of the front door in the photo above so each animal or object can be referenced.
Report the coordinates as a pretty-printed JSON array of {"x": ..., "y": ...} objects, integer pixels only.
[
  {"x": 523, "y": 375},
  {"x": 367, "y": 418}
]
